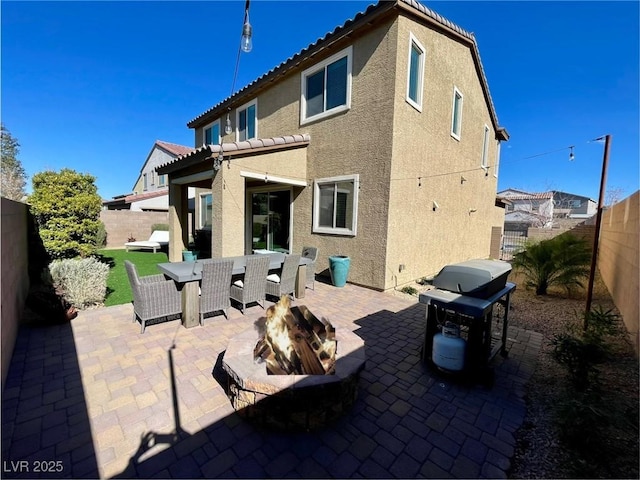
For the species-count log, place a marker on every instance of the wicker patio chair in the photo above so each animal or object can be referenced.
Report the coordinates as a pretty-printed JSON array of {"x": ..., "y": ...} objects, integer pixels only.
[
  {"x": 252, "y": 287},
  {"x": 312, "y": 253},
  {"x": 154, "y": 297},
  {"x": 215, "y": 288},
  {"x": 285, "y": 282}
]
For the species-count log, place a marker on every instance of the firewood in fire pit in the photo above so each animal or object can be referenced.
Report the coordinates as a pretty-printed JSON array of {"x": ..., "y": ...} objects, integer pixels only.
[{"x": 295, "y": 342}]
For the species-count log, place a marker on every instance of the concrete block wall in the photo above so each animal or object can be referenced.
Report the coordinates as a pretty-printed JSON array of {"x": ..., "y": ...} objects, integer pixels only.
[
  {"x": 122, "y": 224},
  {"x": 618, "y": 260},
  {"x": 14, "y": 267},
  {"x": 582, "y": 230}
]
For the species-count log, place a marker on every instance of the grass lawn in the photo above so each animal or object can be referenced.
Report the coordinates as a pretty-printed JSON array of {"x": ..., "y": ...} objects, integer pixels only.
[{"x": 118, "y": 288}]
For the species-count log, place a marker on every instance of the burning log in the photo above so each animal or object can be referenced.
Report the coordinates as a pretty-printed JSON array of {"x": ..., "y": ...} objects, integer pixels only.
[{"x": 296, "y": 342}]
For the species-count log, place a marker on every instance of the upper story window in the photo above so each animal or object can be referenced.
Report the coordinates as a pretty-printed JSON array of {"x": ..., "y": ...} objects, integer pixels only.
[
  {"x": 145, "y": 182},
  {"x": 456, "y": 115},
  {"x": 415, "y": 75},
  {"x": 326, "y": 87},
  {"x": 575, "y": 203},
  {"x": 247, "y": 121},
  {"x": 485, "y": 148},
  {"x": 162, "y": 180},
  {"x": 212, "y": 134},
  {"x": 496, "y": 168},
  {"x": 335, "y": 205}
]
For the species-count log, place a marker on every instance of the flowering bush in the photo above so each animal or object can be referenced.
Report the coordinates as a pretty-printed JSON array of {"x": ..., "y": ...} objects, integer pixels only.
[{"x": 82, "y": 281}]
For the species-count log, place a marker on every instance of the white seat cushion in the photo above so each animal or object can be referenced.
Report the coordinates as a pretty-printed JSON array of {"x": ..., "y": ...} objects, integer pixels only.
[
  {"x": 274, "y": 277},
  {"x": 238, "y": 283}
]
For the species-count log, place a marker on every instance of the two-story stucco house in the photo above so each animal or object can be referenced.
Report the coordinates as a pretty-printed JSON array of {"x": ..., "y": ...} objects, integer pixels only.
[
  {"x": 379, "y": 141},
  {"x": 545, "y": 209},
  {"x": 150, "y": 190}
]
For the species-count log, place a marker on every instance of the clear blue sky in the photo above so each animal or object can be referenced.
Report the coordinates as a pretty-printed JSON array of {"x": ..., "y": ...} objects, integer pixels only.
[{"x": 91, "y": 85}]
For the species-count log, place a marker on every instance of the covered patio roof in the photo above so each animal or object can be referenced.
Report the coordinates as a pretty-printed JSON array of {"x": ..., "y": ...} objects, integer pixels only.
[{"x": 235, "y": 150}]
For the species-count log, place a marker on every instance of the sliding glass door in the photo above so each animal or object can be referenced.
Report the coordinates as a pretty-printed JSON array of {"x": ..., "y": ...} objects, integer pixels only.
[{"x": 270, "y": 220}]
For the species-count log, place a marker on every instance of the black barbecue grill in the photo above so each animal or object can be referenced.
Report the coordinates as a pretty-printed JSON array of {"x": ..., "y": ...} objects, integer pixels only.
[{"x": 462, "y": 331}]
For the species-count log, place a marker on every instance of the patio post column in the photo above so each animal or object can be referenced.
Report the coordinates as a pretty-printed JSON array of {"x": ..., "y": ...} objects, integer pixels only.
[{"x": 178, "y": 220}]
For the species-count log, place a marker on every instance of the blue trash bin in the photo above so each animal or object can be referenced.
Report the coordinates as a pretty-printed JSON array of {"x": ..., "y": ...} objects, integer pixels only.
[{"x": 339, "y": 269}]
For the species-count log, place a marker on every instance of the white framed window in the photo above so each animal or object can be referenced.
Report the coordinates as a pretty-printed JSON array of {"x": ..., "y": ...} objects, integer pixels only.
[
  {"x": 335, "y": 205},
  {"x": 456, "y": 114},
  {"x": 206, "y": 210},
  {"x": 145, "y": 182},
  {"x": 162, "y": 180},
  {"x": 497, "y": 166},
  {"x": 485, "y": 149},
  {"x": 212, "y": 133},
  {"x": 326, "y": 87},
  {"x": 415, "y": 73},
  {"x": 575, "y": 203},
  {"x": 247, "y": 121}
]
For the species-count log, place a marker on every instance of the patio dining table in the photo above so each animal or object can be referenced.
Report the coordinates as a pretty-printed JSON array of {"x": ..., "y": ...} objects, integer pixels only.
[{"x": 190, "y": 273}]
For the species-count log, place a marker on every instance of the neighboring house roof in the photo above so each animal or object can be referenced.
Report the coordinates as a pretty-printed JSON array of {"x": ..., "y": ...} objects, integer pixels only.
[
  {"x": 361, "y": 20},
  {"x": 174, "y": 148},
  {"x": 237, "y": 148},
  {"x": 531, "y": 196},
  {"x": 143, "y": 196}
]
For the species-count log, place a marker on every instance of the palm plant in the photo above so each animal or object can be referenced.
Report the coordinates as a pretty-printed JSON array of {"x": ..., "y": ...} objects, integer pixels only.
[{"x": 562, "y": 260}]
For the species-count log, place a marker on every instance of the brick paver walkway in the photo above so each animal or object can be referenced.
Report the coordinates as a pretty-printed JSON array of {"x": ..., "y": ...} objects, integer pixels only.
[{"x": 95, "y": 398}]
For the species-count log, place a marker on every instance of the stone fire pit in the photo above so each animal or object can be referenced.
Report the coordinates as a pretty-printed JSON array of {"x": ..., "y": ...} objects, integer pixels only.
[{"x": 292, "y": 402}]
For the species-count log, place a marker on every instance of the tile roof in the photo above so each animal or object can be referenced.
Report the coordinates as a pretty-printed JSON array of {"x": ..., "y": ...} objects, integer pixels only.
[
  {"x": 135, "y": 197},
  {"x": 240, "y": 148},
  {"x": 531, "y": 196},
  {"x": 174, "y": 148},
  {"x": 408, "y": 6}
]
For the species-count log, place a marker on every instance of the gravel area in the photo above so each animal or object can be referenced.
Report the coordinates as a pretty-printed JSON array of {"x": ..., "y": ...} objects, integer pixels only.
[{"x": 539, "y": 452}]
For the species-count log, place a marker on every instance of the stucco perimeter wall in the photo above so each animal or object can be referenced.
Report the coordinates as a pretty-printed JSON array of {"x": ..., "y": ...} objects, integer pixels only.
[
  {"x": 122, "y": 224},
  {"x": 15, "y": 275},
  {"x": 431, "y": 168},
  {"x": 618, "y": 260},
  {"x": 582, "y": 231}
]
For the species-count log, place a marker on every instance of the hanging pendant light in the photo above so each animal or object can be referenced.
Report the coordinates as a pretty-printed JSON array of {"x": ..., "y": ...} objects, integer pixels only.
[{"x": 246, "y": 43}]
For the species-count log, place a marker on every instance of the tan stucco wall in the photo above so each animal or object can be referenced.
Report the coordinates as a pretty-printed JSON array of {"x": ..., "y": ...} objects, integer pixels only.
[
  {"x": 122, "y": 224},
  {"x": 15, "y": 275},
  {"x": 618, "y": 260},
  {"x": 429, "y": 164},
  {"x": 389, "y": 145}
]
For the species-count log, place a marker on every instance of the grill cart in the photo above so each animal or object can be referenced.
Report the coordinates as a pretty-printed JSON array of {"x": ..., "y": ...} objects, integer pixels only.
[{"x": 464, "y": 331}]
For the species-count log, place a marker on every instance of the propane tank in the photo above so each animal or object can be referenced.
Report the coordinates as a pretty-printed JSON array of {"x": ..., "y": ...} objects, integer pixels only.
[{"x": 448, "y": 348}]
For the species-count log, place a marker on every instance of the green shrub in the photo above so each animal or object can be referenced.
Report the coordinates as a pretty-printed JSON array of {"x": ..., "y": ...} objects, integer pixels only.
[
  {"x": 584, "y": 346},
  {"x": 82, "y": 281},
  {"x": 66, "y": 206},
  {"x": 562, "y": 260},
  {"x": 409, "y": 290},
  {"x": 159, "y": 226}
]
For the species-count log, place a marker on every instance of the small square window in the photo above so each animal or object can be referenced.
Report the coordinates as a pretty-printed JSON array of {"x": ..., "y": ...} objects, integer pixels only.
[{"x": 336, "y": 205}]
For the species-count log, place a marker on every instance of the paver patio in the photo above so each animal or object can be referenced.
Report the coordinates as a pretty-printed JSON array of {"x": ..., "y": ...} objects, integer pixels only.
[{"x": 95, "y": 398}]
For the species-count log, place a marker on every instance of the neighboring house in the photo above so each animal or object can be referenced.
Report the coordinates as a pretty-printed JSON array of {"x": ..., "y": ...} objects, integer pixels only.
[
  {"x": 150, "y": 190},
  {"x": 545, "y": 209},
  {"x": 379, "y": 141}
]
